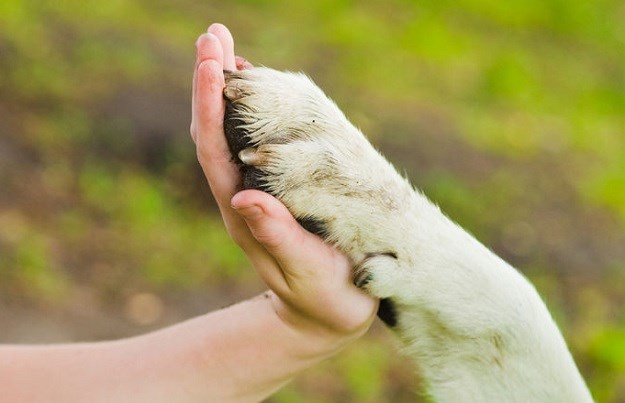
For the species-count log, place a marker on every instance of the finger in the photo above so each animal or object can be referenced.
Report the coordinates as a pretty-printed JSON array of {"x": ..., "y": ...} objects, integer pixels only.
[
  {"x": 213, "y": 154},
  {"x": 207, "y": 132},
  {"x": 208, "y": 110},
  {"x": 299, "y": 253},
  {"x": 208, "y": 50},
  {"x": 269, "y": 220},
  {"x": 265, "y": 265},
  {"x": 208, "y": 47},
  {"x": 227, "y": 44}
]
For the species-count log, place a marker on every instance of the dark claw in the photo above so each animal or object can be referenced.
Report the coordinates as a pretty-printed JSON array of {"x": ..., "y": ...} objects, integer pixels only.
[{"x": 362, "y": 277}]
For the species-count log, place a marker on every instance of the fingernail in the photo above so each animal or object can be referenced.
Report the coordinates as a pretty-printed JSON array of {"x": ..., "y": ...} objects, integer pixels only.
[
  {"x": 235, "y": 201},
  {"x": 250, "y": 212},
  {"x": 206, "y": 35},
  {"x": 213, "y": 26}
]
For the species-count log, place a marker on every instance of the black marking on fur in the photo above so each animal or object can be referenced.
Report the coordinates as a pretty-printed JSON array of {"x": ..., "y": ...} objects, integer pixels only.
[
  {"x": 254, "y": 178},
  {"x": 387, "y": 312},
  {"x": 238, "y": 140},
  {"x": 314, "y": 225},
  {"x": 236, "y": 137}
]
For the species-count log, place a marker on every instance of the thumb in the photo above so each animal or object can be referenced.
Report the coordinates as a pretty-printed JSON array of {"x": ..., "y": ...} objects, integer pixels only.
[
  {"x": 270, "y": 222},
  {"x": 301, "y": 257},
  {"x": 276, "y": 230}
]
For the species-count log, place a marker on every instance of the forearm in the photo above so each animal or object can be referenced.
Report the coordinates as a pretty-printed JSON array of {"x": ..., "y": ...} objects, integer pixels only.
[
  {"x": 241, "y": 353},
  {"x": 250, "y": 358}
]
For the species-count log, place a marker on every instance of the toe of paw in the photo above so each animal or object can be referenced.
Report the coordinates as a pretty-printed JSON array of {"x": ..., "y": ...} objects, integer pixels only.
[
  {"x": 236, "y": 137},
  {"x": 374, "y": 272},
  {"x": 234, "y": 88},
  {"x": 362, "y": 277}
]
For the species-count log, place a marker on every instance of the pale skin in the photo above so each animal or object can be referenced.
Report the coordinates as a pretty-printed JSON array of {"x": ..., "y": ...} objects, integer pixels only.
[{"x": 242, "y": 353}]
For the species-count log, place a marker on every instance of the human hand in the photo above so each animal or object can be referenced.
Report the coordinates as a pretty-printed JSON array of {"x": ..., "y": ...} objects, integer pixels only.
[
  {"x": 215, "y": 53},
  {"x": 312, "y": 290}
]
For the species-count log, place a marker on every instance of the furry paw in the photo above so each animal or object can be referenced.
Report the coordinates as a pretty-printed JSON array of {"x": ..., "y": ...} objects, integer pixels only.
[
  {"x": 474, "y": 325},
  {"x": 293, "y": 142}
]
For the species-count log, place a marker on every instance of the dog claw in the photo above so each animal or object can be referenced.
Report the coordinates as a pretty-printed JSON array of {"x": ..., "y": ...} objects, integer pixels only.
[
  {"x": 249, "y": 156},
  {"x": 361, "y": 276},
  {"x": 232, "y": 91}
]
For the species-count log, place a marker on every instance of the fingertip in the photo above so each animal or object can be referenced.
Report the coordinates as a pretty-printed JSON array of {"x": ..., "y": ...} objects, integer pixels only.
[
  {"x": 270, "y": 205},
  {"x": 238, "y": 200},
  {"x": 248, "y": 204},
  {"x": 205, "y": 37},
  {"x": 269, "y": 220},
  {"x": 219, "y": 29},
  {"x": 251, "y": 213},
  {"x": 247, "y": 197},
  {"x": 227, "y": 44},
  {"x": 209, "y": 48}
]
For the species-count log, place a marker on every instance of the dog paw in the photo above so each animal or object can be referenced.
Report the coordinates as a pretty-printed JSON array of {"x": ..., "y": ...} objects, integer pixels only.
[
  {"x": 373, "y": 274},
  {"x": 372, "y": 267},
  {"x": 284, "y": 133},
  {"x": 293, "y": 142}
]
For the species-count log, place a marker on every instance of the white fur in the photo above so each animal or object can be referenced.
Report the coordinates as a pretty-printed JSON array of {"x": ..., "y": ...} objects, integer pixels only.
[{"x": 475, "y": 327}]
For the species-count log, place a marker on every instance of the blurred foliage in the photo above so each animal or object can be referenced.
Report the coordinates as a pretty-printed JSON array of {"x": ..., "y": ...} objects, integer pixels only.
[{"x": 508, "y": 114}]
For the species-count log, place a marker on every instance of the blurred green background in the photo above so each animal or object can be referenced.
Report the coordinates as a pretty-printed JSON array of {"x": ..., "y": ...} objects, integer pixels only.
[{"x": 509, "y": 115}]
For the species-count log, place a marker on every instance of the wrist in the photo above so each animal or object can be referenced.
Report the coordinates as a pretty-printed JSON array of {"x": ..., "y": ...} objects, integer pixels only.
[{"x": 311, "y": 336}]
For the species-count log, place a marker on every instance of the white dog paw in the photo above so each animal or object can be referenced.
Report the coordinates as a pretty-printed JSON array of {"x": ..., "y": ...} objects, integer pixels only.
[
  {"x": 293, "y": 142},
  {"x": 373, "y": 274}
]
